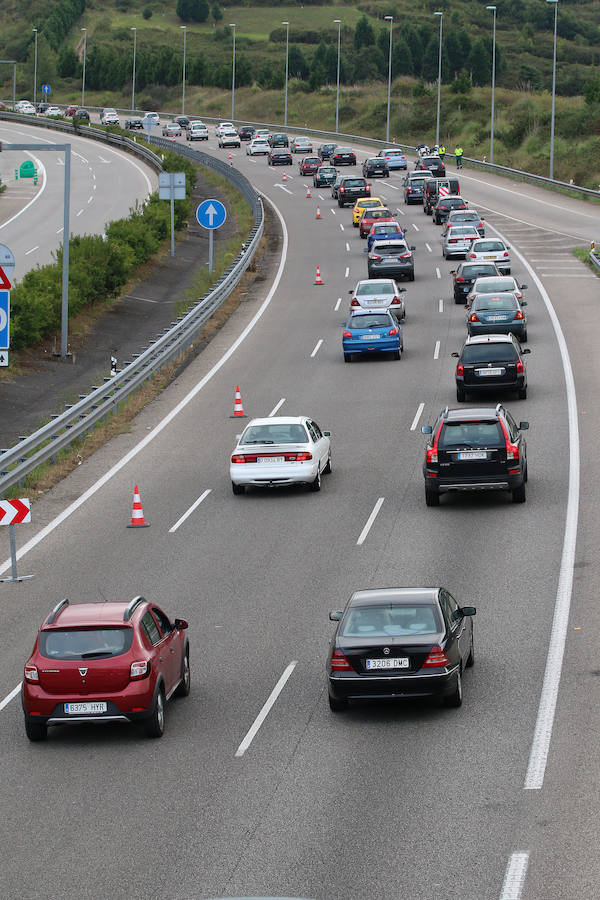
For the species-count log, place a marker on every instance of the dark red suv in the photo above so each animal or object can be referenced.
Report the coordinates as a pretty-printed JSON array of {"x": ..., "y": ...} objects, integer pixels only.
[{"x": 105, "y": 662}]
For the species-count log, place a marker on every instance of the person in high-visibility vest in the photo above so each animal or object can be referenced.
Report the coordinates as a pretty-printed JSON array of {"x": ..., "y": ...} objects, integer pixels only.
[
  {"x": 442, "y": 152},
  {"x": 459, "y": 155}
]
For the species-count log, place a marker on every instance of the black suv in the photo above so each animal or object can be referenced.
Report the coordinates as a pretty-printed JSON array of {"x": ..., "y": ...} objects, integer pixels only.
[
  {"x": 464, "y": 277},
  {"x": 278, "y": 140},
  {"x": 445, "y": 206},
  {"x": 414, "y": 185},
  {"x": 348, "y": 188},
  {"x": 246, "y": 132},
  {"x": 491, "y": 362},
  {"x": 433, "y": 163},
  {"x": 431, "y": 191},
  {"x": 479, "y": 449},
  {"x": 376, "y": 165}
]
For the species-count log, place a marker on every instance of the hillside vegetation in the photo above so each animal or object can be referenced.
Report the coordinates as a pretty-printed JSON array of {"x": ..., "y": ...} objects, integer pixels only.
[{"x": 523, "y": 67}]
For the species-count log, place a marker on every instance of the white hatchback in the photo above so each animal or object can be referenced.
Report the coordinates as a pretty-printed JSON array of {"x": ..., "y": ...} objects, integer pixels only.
[
  {"x": 224, "y": 126},
  {"x": 378, "y": 294},
  {"x": 491, "y": 250},
  {"x": 258, "y": 147},
  {"x": 53, "y": 111},
  {"x": 280, "y": 450}
]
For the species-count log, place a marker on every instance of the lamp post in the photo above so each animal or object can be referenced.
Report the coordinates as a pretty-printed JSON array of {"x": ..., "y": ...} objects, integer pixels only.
[
  {"x": 184, "y": 29},
  {"x": 338, "y": 22},
  {"x": 493, "y": 9},
  {"x": 389, "y": 19},
  {"x": 133, "y": 71},
  {"x": 35, "y": 31},
  {"x": 83, "y": 74},
  {"x": 555, "y": 2},
  {"x": 287, "y": 57},
  {"x": 437, "y": 125},
  {"x": 232, "y": 25}
]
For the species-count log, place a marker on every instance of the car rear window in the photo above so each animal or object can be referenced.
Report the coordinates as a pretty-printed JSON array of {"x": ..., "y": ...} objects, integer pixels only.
[
  {"x": 474, "y": 271},
  {"x": 344, "y": 150},
  {"x": 453, "y": 202},
  {"x": 354, "y": 182},
  {"x": 495, "y": 286},
  {"x": 394, "y": 152},
  {"x": 459, "y": 230},
  {"x": 378, "y": 214},
  {"x": 396, "y": 248},
  {"x": 374, "y": 289},
  {"x": 275, "y": 434},
  {"x": 460, "y": 216},
  {"x": 486, "y": 246},
  {"x": 483, "y": 433},
  {"x": 370, "y": 321},
  {"x": 388, "y": 228},
  {"x": 367, "y": 204},
  {"x": 85, "y": 643},
  {"x": 487, "y": 302},
  {"x": 382, "y": 622},
  {"x": 484, "y": 353},
  {"x": 418, "y": 181}
]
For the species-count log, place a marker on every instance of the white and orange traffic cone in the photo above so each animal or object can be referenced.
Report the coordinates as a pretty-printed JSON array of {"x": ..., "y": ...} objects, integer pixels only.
[
  {"x": 230, "y": 156},
  {"x": 137, "y": 513},
  {"x": 308, "y": 192},
  {"x": 238, "y": 409},
  {"x": 284, "y": 178},
  {"x": 318, "y": 279},
  {"x": 318, "y": 215}
]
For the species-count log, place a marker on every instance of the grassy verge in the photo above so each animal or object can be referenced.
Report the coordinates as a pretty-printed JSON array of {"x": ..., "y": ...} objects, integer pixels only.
[{"x": 583, "y": 253}]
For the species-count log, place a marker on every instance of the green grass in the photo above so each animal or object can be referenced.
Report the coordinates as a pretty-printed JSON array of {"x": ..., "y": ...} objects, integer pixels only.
[{"x": 583, "y": 253}]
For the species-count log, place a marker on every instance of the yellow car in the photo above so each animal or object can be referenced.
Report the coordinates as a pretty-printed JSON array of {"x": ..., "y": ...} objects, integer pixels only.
[{"x": 363, "y": 203}]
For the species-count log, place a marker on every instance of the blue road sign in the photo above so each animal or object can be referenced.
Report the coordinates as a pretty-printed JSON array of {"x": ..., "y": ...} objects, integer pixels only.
[
  {"x": 4, "y": 320},
  {"x": 211, "y": 214},
  {"x": 45, "y": 89}
]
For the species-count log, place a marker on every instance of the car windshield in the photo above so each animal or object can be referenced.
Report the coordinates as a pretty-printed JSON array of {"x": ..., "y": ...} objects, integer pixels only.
[
  {"x": 386, "y": 621},
  {"x": 375, "y": 288},
  {"x": 485, "y": 353},
  {"x": 370, "y": 321},
  {"x": 471, "y": 434},
  {"x": 488, "y": 303},
  {"x": 275, "y": 434},
  {"x": 85, "y": 643},
  {"x": 486, "y": 246},
  {"x": 494, "y": 285}
]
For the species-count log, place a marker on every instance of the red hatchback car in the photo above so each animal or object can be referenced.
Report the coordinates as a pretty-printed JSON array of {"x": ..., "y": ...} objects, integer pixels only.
[
  {"x": 309, "y": 165},
  {"x": 105, "y": 662},
  {"x": 375, "y": 216}
]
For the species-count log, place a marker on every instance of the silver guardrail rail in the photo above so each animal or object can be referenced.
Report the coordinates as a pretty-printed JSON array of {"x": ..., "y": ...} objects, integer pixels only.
[{"x": 44, "y": 444}]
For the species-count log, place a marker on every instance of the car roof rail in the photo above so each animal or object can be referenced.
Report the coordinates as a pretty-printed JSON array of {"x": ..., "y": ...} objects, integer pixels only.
[
  {"x": 499, "y": 408},
  {"x": 57, "y": 611},
  {"x": 445, "y": 413},
  {"x": 132, "y": 606}
]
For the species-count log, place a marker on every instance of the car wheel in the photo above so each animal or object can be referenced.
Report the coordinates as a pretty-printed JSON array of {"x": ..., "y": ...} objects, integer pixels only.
[
  {"x": 363, "y": 236},
  {"x": 355, "y": 224},
  {"x": 524, "y": 338},
  {"x": 432, "y": 498},
  {"x": 411, "y": 277},
  {"x": 526, "y": 476},
  {"x": 238, "y": 488},
  {"x": 459, "y": 299},
  {"x": 518, "y": 495},
  {"x": 316, "y": 484},
  {"x": 444, "y": 254},
  {"x": 455, "y": 698},
  {"x": 185, "y": 685},
  {"x": 347, "y": 357},
  {"x": 471, "y": 657},
  {"x": 336, "y": 705},
  {"x": 340, "y": 203},
  {"x": 155, "y": 725},
  {"x": 460, "y": 394},
  {"x": 397, "y": 355},
  {"x": 327, "y": 469},
  {"x": 35, "y": 731},
  {"x": 522, "y": 394}
]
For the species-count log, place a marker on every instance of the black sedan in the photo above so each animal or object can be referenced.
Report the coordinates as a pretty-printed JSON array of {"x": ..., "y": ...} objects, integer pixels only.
[
  {"x": 399, "y": 643},
  {"x": 343, "y": 156},
  {"x": 280, "y": 158},
  {"x": 182, "y": 121},
  {"x": 134, "y": 124},
  {"x": 376, "y": 166},
  {"x": 464, "y": 276}
]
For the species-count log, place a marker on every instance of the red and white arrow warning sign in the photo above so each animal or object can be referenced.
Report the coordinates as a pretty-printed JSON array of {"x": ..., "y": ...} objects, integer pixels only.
[{"x": 15, "y": 512}]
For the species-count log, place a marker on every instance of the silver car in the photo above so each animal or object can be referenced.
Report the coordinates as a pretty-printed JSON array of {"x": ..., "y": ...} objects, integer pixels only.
[
  {"x": 496, "y": 284},
  {"x": 458, "y": 240},
  {"x": 301, "y": 145},
  {"x": 492, "y": 250},
  {"x": 378, "y": 294},
  {"x": 465, "y": 217},
  {"x": 280, "y": 450}
]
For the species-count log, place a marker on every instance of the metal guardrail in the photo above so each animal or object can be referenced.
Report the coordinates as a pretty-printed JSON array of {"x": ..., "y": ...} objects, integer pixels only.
[
  {"x": 595, "y": 260},
  {"x": 45, "y": 443}
]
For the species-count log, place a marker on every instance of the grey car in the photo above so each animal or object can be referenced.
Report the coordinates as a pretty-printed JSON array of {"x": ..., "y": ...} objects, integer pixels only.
[
  {"x": 458, "y": 241},
  {"x": 391, "y": 259},
  {"x": 497, "y": 314},
  {"x": 377, "y": 294},
  {"x": 496, "y": 284},
  {"x": 465, "y": 217}
]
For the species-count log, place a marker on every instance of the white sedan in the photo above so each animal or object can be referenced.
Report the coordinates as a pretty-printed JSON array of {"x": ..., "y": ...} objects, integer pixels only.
[
  {"x": 257, "y": 147},
  {"x": 53, "y": 111},
  {"x": 491, "y": 250},
  {"x": 379, "y": 294},
  {"x": 280, "y": 450},
  {"x": 25, "y": 107},
  {"x": 224, "y": 126}
]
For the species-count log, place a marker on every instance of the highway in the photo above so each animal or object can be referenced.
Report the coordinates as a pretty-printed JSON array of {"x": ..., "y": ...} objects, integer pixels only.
[
  {"x": 106, "y": 183},
  {"x": 384, "y": 801}
]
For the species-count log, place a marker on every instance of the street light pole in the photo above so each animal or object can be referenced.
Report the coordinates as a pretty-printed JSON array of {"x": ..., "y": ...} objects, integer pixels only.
[
  {"x": 437, "y": 126},
  {"x": 83, "y": 74},
  {"x": 287, "y": 57},
  {"x": 338, "y": 22},
  {"x": 232, "y": 25},
  {"x": 493, "y": 9},
  {"x": 133, "y": 73},
  {"x": 184, "y": 28},
  {"x": 35, "y": 31},
  {"x": 389, "y": 19},
  {"x": 555, "y": 2}
]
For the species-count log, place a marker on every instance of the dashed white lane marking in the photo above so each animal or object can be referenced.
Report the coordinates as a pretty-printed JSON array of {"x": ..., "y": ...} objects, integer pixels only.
[
  {"x": 90, "y": 199},
  {"x": 347, "y": 272},
  {"x": 418, "y": 415},
  {"x": 321, "y": 197},
  {"x": 80, "y": 211},
  {"x": 514, "y": 878},
  {"x": 437, "y": 272},
  {"x": 416, "y": 227},
  {"x": 341, "y": 226},
  {"x": 347, "y": 246},
  {"x": 27, "y": 252},
  {"x": 10, "y": 696},
  {"x": 370, "y": 520},
  {"x": 251, "y": 734},
  {"x": 283, "y": 188},
  {"x": 332, "y": 211},
  {"x": 436, "y": 352},
  {"x": 400, "y": 212},
  {"x": 277, "y": 407},
  {"x": 317, "y": 348},
  {"x": 393, "y": 187},
  {"x": 59, "y": 230},
  {"x": 338, "y": 304},
  {"x": 188, "y": 512},
  {"x": 429, "y": 248},
  {"x": 441, "y": 305}
]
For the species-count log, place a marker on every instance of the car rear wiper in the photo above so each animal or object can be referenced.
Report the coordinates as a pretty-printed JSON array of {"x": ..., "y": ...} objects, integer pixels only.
[
  {"x": 259, "y": 442},
  {"x": 93, "y": 654}
]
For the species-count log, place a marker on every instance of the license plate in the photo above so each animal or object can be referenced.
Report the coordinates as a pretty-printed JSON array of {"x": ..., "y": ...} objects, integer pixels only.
[
  {"x": 472, "y": 454},
  {"x": 370, "y": 337},
  {"x": 75, "y": 709},
  {"x": 397, "y": 662},
  {"x": 489, "y": 371},
  {"x": 489, "y": 257},
  {"x": 496, "y": 318},
  {"x": 270, "y": 459},
  {"x": 390, "y": 259}
]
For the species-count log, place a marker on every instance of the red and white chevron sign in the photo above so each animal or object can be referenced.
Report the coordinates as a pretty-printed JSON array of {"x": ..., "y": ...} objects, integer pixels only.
[
  {"x": 14, "y": 512},
  {"x": 444, "y": 190}
]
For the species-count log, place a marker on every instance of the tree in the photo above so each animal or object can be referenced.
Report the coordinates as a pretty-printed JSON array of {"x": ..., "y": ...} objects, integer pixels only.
[
  {"x": 196, "y": 69},
  {"x": 480, "y": 63},
  {"x": 461, "y": 84},
  {"x": 366, "y": 66},
  {"x": 364, "y": 36},
  {"x": 217, "y": 12},
  {"x": 591, "y": 90},
  {"x": 413, "y": 41},
  {"x": 402, "y": 58},
  {"x": 331, "y": 65},
  {"x": 147, "y": 14},
  {"x": 297, "y": 65},
  {"x": 67, "y": 62},
  {"x": 317, "y": 75}
]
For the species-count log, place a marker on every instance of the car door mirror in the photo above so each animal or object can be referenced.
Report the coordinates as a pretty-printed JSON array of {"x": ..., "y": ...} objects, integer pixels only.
[
  {"x": 413, "y": 248},
  {"x": 350, "y": 292},
  {"x": 526, "y": 350},
  {"x": 181, "y": 624},
  {"x": 508, "y": 246},
  {"x": 523, "y": 426},
  {"x": 453, "y": 271},
  {"x": 336, "y": 614},
  {"x": 523, "y": 302},
  {"x": 365, "y": 250},
  {"x": 455, "y": 355},
  {"x": 402, "y": 290},
  {"x": 237, "y": 437},
  {"x": 426, "y": 429},
  {"x": 523, "y": 287},
  {"x": 467, "y": 611},
  {"x": 326, "y": 434}
]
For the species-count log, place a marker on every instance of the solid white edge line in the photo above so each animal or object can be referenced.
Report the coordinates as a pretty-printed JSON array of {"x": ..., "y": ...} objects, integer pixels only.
[
  {"x": 39, "y": 193},
  {"x": 10, "y": 696},
  {"x": 437, "y": 272},
  {"x": 441, "y": 305},
  {"x": 436, "y": 352},
  {"x": 317, "y": 347},
  {"x": 194, "y": 505},
  {"x": 27, "y": 252},
  {"x": 251, "y": 733},
  {"x": 370, "y": 520},
  {"x": 540, "y": 745},
  {"x": 337, "y": 305},
  {"x": 58, "y": 520},
  {"x": 418, "y": 415},
  {"x": 277, "y": 407},
  {"x": 514, "y": 879}
]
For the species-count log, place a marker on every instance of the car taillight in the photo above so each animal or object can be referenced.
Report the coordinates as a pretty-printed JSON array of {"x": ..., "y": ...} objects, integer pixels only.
[
  {"x": 432, "y": 452},
  {"x": 31, "y": 673},
  {"x": 375, "y": 257},
  {"x": 342, "y": 190},
  {"x": 396, "y": 301},
  {"x": 355, "y": 302},
  {"x": 472, "y": 255},
  {"x": 339, "y": 663},
  {"x": 520, "y": 367},
  {"x": 238, "y": 458},
  {"x": 453, "y": 240},
  {"x": 506, "y": 253},
  {"x": 512, "y": 451},
  {"x": 519, "y": 314},
  {"x": 459, "y": 369},
  {"x": 393, "y": 331},
  {"x": 303, "y": 456},
  {"x": 474, "y": 318},
  {"x": 347, "y": 334},
  {"x": 139, "y": 669},
  {"x": 480, "y": 225},
  {"x": 367, "y": 189},
  {"x": 460, "y": 279},
  {"x": 436, "y": 659},
  {"x": 408, "y": 190}
]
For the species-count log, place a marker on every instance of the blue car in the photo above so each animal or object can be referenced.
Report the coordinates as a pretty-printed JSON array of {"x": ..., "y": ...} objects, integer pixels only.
[
  {"x": 396, "y": 158},
  {"x": 388, "y": 231},
  {"x": 372, "y": 332}
]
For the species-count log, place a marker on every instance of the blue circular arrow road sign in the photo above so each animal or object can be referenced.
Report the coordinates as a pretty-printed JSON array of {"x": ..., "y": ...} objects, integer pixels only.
[{"x": 211, "y": 214}]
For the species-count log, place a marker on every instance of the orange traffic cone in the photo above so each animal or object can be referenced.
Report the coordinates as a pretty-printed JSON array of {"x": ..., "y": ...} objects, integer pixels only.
[
  {"x": 308, "y": 192},
  {"x": 318, "y": 279},
  {"x": 238, "y": 409},
  {"x": 137, "y": 513},
  {"x": 230, "y": 156},
  {"x": 318, "y": 215},
  {"x": 284, "y": 177}
]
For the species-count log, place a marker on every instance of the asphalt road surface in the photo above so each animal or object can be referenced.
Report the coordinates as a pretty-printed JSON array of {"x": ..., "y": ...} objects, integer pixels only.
[{"x": 387, "y": 800}]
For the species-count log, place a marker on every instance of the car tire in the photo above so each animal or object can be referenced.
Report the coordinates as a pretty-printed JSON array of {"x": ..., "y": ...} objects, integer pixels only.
[
  {"x": 432, "y": 498},
  {"x": 185, "y": 685},
  {"x": 522, "y": 393},
  {"x": 460, "y": 395},
  {"x": 337, "y": 705},
  {"x": 35, "y": 731},
  {"x": 354, "y": 224},
  {"x": 455, "y": 698},
  {"x": 363, "y": 236},
  {"x": 327, "y": 470},
  {"x": 340, "y": 203},
  {"x": 397, "y": 355},
  {"x": 347, "y": 357},
  {"x": 519, "y": 494},
  {"x": 411, "y": 277},
  {"x": 524, "y": 338},
  {"x": 238, "y": 488},
  {"x": 459, "y": 299},
  {"x": 316, "y": 484},
  {"x": 471, "y": 657},
  {"x": 155, "y": 725}
]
